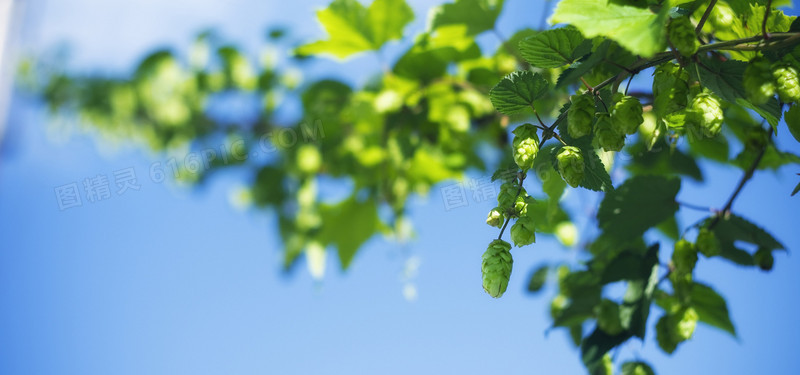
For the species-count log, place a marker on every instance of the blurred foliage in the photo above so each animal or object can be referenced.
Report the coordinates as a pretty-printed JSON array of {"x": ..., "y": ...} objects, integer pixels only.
[{"x": 422, "y": 121}]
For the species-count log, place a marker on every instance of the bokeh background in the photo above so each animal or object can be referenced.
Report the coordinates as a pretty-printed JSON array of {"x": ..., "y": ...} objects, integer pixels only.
[{"x": 169, "y": 279}]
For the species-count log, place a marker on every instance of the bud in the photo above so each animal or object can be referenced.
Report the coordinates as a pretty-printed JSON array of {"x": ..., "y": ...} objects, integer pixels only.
[
  {"x": 508, "y": 195},
  {"x": 580, "y": 115},
  {"x": 523, "y": 231},
  {"x": 525, "y": 145},
  {"x": 521, "y": 204},
  {"x": 759, "y": 83},
  {"x": 707, "y": 243},
  {"x": 764, "y": 259},
  {"x": 570, "y": 165},
  {"x": 626, "y": 114},
  {"x": 682, "y": 36},
  {"x": 495, "y": 218},
  {"x": 607, "y": 137},
  {"x": 607, "y": 313},
  {"x": 496, "y": 268}
]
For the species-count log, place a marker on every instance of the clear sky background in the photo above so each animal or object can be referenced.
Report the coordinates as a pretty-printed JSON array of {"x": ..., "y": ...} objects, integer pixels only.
[{"x": 168, "y": 280}]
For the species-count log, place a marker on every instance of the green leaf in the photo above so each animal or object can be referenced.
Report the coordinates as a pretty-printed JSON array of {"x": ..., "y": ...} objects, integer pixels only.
[
  {"x": 347, "y": 225},
  {"x": 538, "y": 278},
  {"x": 639, "y": 296},
  {"x": 662, "y": 160},
  {"x": 554, "y": 48},
  {"x": 731, "y": 228},
  {"x": 597, "y": 344},
  {"x": 792, "y": 118},
  {"x": 637, "y": 29},
  {"x": 477, "y": 15},
  {"x": 724, "y": 78},
  {"x": 517, "y": 91},
  {"x": 639, "y": 204},
  {"x": 796, "y": 189},
  {"x": 352, "y": 28},
  {"x": 711, "y": 308}
]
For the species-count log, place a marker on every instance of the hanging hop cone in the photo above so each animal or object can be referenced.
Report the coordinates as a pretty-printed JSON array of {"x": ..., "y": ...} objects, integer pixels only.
[
  {"x": 626, "y": 114},
  {"x": 705, "y": 114},
  {"x": 570, "y": 165},
  {"x": 523, "y": 232},
  {"x": 495, "y": 218},
  {"x": 607, "y": 137},
  {"x": 580, "y": 115},
  {"x": 684, "y": 256},
  {"x": 496, "y": 268},
  {"x": 788, "y": 83},
  {"x": 707, "y": 243},
  {"x": 526, "y": 146},
  {"x": 759, "y": 83},
  {"x": 682, "y": 36}
]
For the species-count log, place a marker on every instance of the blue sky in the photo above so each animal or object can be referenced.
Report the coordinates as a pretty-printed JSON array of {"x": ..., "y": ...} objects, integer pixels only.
[{"x": 165, "y": 279}]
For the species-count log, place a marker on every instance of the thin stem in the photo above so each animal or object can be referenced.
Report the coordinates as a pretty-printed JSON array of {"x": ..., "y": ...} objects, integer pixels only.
[
  {"x": 747, "y": 175},
  {"x": 696, "y": 207},
  {"x": 703, "y": 19},
  {"x": 766, "y": 16},
  {"x": 503, "y": 229}
]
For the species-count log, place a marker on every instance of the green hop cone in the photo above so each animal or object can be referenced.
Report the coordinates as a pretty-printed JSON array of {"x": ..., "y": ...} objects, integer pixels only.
[
  {"x": 682, "y": 36},
  {"x": 637, "y": 368},
  {"x": 521, "y": 204},
  {"x": 607, "y": 313},
  {"x": 557, "y": 305},
  {"x": 626, "y": 114},
  {"x": 495, "y": 218},
  {"x": 525, "y": 145},
  {"x": 580, "y": 115},
  {"x": 523, "y": 232},
  {"x": 606, "y": 135},
  {"x": 684, "y": 323},
  {"x": 759, "y": 83},
  {"x": 670, "y": 88},
  {"x": 788, "y": 83},
  {"x": 764, "y": 259},
  {"x": 496, "y": 268},
  {"x": 684, "y": 256},
  {"x": 705, "y": 114},
  {"x": 707, "y": 243},
  {"x": 508, "y": 195},
  {"x": 570, "y": 165}
]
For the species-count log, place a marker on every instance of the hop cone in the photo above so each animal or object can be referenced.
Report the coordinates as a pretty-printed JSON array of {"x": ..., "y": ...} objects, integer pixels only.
[
  {"x": 607, "y": 136},
  {"x": 684, "y": 256},
  {"x": 522, "y": 232},
  {"x": 788, "y": 83},
  {"x": 495, "y": 217},
  {"x": 526, "y": 145},
  {"x": 580, "y": 115},
  {"x": 496, "y": 268},
  {"x": 607, "y": 313},
  {"x": 707, "y": 243},
  {"x": 626, "y": 114},
  {"x": 706, "y": 114},
  {"x": 570, "y": 165},
  {"x": 521, "y": 204},
  {"x": 759, "y": 83},
  {"x": 682, "y": 36},
  {"x": 669, "y": 89},
  {"x": 508, "y": 195},
  {"x": 685, "y": 321},
  {"x": 764, "y": 259}
]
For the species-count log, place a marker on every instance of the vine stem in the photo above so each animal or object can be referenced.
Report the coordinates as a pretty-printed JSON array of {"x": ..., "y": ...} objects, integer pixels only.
[
  {"x": 703, "y": 19},
  {"x": 766, "y": 17},
  {"x": 730, "y": 45},
  {"x": 746, "y": 177}
]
